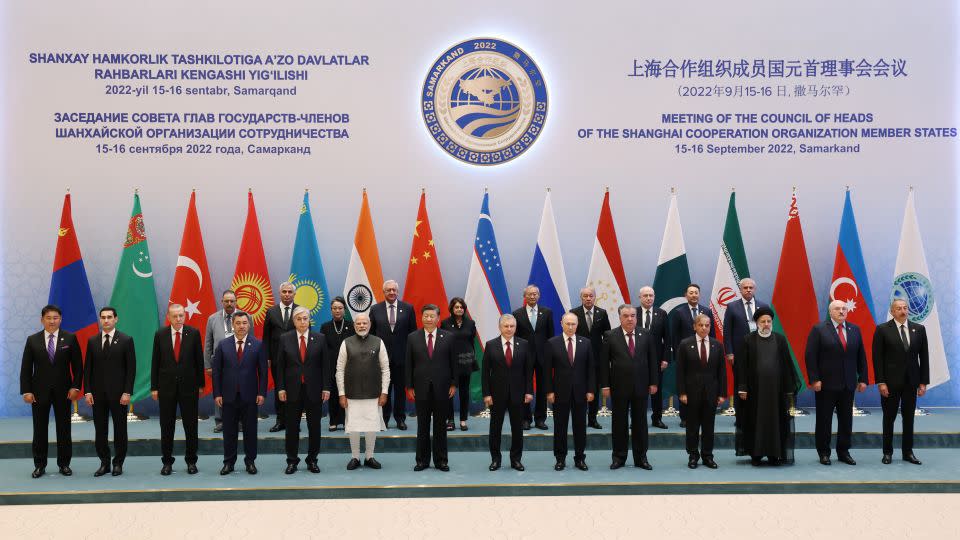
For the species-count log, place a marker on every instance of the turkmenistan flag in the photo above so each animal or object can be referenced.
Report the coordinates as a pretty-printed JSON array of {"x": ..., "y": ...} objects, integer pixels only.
[
  {"x": 135, "y": 298},
  {"x": 672, "y": 277},
  {"x": 306, "y": 269}
]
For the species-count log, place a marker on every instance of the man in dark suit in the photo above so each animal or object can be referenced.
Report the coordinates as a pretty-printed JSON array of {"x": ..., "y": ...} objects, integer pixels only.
[
  {"x": 219, "y": 326},
  {"x": 108, "y": 375},
  {"x": 392, "y": 321},
  {"x": 506, "y": 377},
  {"x": 836, "y": 366},
  {"x": 176, "y": 380},
  {"x": 570, "y": 381},
  {"x": 592, "y": 323},
  {"x": 701, "y": 383},
  {"x": 278, "y": 321},
  {"x": 239, "y": 387},
  {"x": 628, "y": 371},
  {"x": 681, "y": 327},
  {"x": 653, "y": 321},
  {"x": 304, "y": 379},
  {"x": 737, "y": 323},
  {"x": 51, "y": 372},
  {"x": 901, "y": 368},
  {"x": 535, "y": 325},
  {"x": 431, "y": 379}
]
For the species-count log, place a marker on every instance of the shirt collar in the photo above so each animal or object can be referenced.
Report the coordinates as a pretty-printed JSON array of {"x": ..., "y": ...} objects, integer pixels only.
[
  {"x": 504, "y": 341},
  {"x": 46, "y": 335},
  {"x": 173, "y": 331},
  {"x": 305, "y": 334},
  {"x": 108, "y": 334}
]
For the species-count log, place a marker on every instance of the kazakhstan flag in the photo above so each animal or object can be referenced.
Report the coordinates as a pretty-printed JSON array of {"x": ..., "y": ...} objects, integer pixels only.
[{"x": 306, "y": 269}]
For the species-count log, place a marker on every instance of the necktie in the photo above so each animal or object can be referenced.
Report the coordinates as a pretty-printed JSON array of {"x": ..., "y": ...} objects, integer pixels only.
[
  {"x": 239, "y": 352},
  {"x": 903, "y": 337},
  {"x": 430, "y": 345},
  {"x": 589, "y": 320},
  {"x": 570, "y": 350},
  {"x": 630, "y": 344},
  {"x": 51, "y": 348},
  {"x": 843, "y": 339},
  {"x": 393, "y": 317},
  {"x": 227, "y": 323},
  {"x": 693, "y": 314},
  {"x": 703, "y": 351},
  {"x": 286, "y": 315},
  {"x": 106, "y": 344},
  {"x": 508, "y": 356},
  {"x": 303, "y": 349},
  {"x": 646, "y": 319},
  {"x": 749, "y": 310},
  {"x": 176, "y": 348},
  {"x": 533, "y": 317}
]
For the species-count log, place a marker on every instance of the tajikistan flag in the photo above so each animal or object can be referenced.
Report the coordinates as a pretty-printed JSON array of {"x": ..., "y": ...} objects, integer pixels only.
[{"x": 606, "y": 273}]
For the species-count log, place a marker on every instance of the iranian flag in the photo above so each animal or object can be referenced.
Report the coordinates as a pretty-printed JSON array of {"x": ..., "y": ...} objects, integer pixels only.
[
  {"x": 364, "y": 284},
  {"x": 424, "y": 283},
  {"x": 672, "y": 277},
  {"x": 606, "y": 273}
]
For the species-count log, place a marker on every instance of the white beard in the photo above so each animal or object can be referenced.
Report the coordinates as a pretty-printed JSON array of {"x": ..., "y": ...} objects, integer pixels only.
[
  {"x": 765, "y": 333},
  {"x": 363, "y": 334}
]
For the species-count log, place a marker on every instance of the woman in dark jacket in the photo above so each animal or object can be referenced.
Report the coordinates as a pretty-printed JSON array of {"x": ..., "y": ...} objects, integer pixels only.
[
  {"x": 335, "y": 331},
  {"x": 464, "y": 331}
]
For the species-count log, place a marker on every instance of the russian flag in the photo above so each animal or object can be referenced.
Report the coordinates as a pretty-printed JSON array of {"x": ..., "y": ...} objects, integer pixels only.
[
  {"x": 547, "y": 272},
  {"x": 69, "y": 288}
]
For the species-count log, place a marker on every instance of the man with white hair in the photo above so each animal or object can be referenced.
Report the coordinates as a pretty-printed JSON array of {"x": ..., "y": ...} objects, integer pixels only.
[
  {"x": 737, "y": 323},
  {"x": 506, "y": 376},
  {"x": 278, "y": 321},
  {"x": 392, "y": 321},
  {"x": 363, "y": 381},
  {"x": 592, "y": 323}
]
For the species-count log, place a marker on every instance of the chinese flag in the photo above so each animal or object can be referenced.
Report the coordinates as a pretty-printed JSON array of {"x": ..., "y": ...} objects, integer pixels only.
[
  {"x": 424, "y": 283},
  {"x": 192, "y": 287}
]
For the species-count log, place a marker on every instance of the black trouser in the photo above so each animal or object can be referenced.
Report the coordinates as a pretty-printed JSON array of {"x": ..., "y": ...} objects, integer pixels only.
[
  {"x": 396, "y": 403},
  {"x": 293, "y": 410},
  {"x": 337, "y": 415},
  {"x": 437, "y": 404},
  {"x": 188, "y": 403},
  {"x": 561, "y": 412},
  {"x": 637, "y": 407},
  {"x": 701, "y": 417},
  {"x": 463, "y": 390},
  {"x": 539, "y": 407},
  {"x": 905, "y": 399},
  {"x": 827, "y": 402},
  {"x": 656, "y": 400},
  {"x": 57, "y": 398},
  {"x": 278, "y": 405},
  {"x": 246, "y": 412},
  {"x": 497, "y": 411},
  {"x": 103, "y": 407}
]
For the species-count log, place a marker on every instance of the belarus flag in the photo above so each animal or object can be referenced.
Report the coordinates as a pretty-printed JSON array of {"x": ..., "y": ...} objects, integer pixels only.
[
  {"x": 606, "y": 273},
  {"x": 364, "y": 285}
]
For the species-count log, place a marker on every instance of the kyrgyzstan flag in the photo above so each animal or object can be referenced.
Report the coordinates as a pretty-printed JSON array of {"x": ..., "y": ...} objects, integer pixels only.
[
  {"x": 850, "y": 283},
  {"x": 424, "y": 283},
  {"x": 192, "y": 287}
]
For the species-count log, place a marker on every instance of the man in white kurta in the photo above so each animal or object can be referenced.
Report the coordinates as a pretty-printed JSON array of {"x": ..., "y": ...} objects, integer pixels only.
[{"x": 363, "y": 380}]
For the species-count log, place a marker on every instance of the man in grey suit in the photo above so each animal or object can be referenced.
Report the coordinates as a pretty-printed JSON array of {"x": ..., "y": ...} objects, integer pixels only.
[{"x": 219, "y": 326}]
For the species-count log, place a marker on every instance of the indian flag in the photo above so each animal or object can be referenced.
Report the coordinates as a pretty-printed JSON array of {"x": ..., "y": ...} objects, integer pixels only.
[{"x": 364, "y": 285}]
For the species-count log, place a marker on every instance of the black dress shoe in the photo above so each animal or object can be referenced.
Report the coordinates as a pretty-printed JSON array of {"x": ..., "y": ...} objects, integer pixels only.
[
  {"x": 756, "y": 461},
  {"x": 218, "y": 428},
  {"x": 291, "y": 468},
  {"x": 37, "y": 473},
  {"x": 443, "y": 467},
  {"x": 616, "y": 464},
  {"x": 910, "y": 458},
  {"x": 516, "y": 465},
  {"x": 581, "y": 464},
  {"x": 333, "y": 427},
  {"x": 494, "y": 465},
  {"x": 463, "y": 426},
  {"x": 117, "y": 470},
  {"x": 542, "y": 425},
  {"x": 644, "y": 464},
  {"x": 450, "y": 426},
  {"x": 251, "y": 468},
  {"x": 277, "y": 427},
  {"x": 401, "y": 425},
  {"x": 372, "y": 463},
  {"x": 710, "y": 463},
  {"x": 525, "y": 425},
  {"x": 353, "y": 464},
  {"x": 419, "y": 467},
  {"x": 595, "y": 425},
  {"x": 659, "y": 424},
  {"x": 227, "y": 469},
  {"x": 825, "y": 460},
  {"x": 65, "y": 471},
  {"x": 561, "y": 465},
  {"x": 313, "y": 467},
  {"x": 104, "y": 469},
  {"x": 887, "y": 459},
  {"x": 846, "y": 458},
  {"x": 692, "y": 462},
  {"x": 166, "y": 470}
]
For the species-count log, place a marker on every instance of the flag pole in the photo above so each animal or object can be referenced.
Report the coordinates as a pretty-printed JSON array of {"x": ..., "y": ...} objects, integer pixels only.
[
  {"x": 794, "y": 411},
  {"x": 76, "y": 417}
]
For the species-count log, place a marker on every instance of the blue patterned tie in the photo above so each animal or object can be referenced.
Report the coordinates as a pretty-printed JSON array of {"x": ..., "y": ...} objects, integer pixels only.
[{"x": 51, "y": 348}]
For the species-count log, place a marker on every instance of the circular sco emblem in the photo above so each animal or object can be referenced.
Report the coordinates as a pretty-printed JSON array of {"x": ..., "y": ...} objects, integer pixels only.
[
  {"x": 917, "y": 291},
  {"x": 484, "y": 101}
]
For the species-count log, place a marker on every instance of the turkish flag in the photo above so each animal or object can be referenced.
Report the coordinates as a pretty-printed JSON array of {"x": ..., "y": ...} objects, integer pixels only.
[{"x": 192, "y": 287}]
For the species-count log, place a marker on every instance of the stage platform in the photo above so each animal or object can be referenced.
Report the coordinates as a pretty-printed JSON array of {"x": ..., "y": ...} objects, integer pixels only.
[{"x": 937, "y": 444}]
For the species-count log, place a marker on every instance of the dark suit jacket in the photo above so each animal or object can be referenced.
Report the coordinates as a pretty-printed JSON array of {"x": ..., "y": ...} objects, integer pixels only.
[
  {"x": 536, "y": 336},
  {"x": 38, "y": 374},
  {"x": 462, "y": 338},
  {"x": 112, "y": 374},
  {"x": 420, "y": 370},
  {"x": 273, "y": 328},
  {"x": 894, "y": 366},
  {"x": 499, "y": 381},
  {"x": 601, "y": 325},
  {"x": 658, "y": 331},
  {"x": 828, "y": 362},
  {"x": 247, "y": 377},
  {"x": 565, "y": 381},
  {"x": 395, "y": 341},
  {"x": 315, "y": 369},
  {"x": 736, "y": 326},
  {"x": 628, "y": 376},
  {"x": 693, "y": 376},
  {"x": 681, "y": 324},
  {"x": 166, "y": 374}
]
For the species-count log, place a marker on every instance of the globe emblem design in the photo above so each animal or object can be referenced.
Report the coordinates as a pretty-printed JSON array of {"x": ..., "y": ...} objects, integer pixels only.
[
  {"x": 484, "y": 102},
  {"x": 917, "y": 291}
]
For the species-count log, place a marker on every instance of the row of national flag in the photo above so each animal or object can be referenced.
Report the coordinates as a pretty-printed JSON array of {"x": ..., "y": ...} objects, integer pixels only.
[{"x": 794, "y": 299}]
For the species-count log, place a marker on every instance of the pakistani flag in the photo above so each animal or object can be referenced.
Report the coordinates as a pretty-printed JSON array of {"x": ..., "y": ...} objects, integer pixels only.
[
  {"x": 672, "y": 277},
  {"x": 135, "y": 298},
  {"x": 306, "y": 269},
  {"x": 731, "y": 268}
]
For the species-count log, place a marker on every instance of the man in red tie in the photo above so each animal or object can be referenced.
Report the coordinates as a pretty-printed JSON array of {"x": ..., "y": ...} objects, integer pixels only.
[
  {"x": 570, "y": 381},
  {"x": 303, "y": 382},
  {"x": 506, "y": 376},
  {"x": 430, "y": 374},
  {"x": 701, "y": 382},
  {"x": 836, "y": 366},
  {"x": 176, "y": 380}
]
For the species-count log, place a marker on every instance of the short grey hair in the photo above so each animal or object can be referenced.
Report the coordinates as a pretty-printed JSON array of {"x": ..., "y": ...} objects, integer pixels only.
[
  {"x": 300, "y": 309},
  {"x": 287, "y": 284},
  {"x": 622, "y": 307},
  {"x": 506, "y": 317}
]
